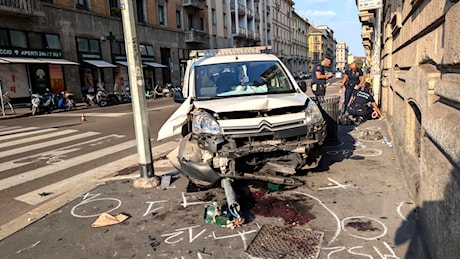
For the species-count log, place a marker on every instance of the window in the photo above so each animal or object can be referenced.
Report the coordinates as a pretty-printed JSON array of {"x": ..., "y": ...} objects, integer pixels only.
[
  {"x": 3, "y": 37},
  {"x": 214, "y": 16},
  {"x": 82, "y": 4},
  {"x": 150, "y": 50},
  {"x": 116, "y": 48},
  {"x": 201, "y": 24},
  {"x": 161, "y": 15},
  {"x": 35, "y": 40},
  {"x": 225, "y": 20},
  {"x": 143, "y": 49},
  {"x": 140, "y": 11},
  {"x": 114, "y": 7},
  {"x": 53, "y": 42},
  {"x": 178, "y": 20},
  {"x": 18, "y": 39},
  {"x": 88, "y": 45},
  {"x": 190, "y": 22}
]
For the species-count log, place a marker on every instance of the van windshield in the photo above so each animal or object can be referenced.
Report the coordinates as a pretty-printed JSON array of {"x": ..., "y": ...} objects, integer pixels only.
[{"x": 241, "y": 78}]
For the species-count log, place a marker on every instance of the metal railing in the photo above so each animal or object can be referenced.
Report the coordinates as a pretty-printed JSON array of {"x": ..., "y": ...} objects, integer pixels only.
[{"x": 24, "y": 7}]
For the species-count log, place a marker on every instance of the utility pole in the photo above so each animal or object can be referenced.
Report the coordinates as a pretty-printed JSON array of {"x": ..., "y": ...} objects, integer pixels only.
[
  {"x": 136, "y": 83},
  {"x": 377, "y": 76}
]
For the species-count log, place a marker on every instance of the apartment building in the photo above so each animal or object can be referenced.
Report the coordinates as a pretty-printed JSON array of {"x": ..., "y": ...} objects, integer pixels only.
[
  {"x": 329, "y": 43},
  {"x": 300, "y": 52},
  {"x": 53, "y": 43},
  {"x": 281, "y": 34},
  {"x": 341, "y": 57}
]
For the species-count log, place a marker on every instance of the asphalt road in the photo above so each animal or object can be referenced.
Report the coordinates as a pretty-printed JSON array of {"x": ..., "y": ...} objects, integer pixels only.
[{"x": 355, "y": 203}]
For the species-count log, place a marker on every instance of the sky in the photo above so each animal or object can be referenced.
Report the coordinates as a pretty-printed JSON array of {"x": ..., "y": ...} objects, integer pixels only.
[{"x": 340, "y": 15}]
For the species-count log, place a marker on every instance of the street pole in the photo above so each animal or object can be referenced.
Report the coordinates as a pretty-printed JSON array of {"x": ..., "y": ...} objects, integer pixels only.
[
  {"x": 1, "y": 97},
  {"x": 136, "y": 83}
]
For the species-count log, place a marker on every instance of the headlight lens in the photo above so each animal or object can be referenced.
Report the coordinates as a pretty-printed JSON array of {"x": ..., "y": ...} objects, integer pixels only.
[
  {"x": 205, "y": 123},
  {"x": 312, "y": 113}
]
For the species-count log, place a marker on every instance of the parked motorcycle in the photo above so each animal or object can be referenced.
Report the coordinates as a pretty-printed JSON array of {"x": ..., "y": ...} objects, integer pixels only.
[
  {"x": 99, "y": 98},
  {"x": 65, "y": 100},
  {"x": 160, "y": 91},
  {"x": 42, "y": 103}
]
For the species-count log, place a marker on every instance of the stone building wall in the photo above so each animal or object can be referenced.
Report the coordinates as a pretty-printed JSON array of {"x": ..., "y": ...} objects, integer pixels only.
[{"x": 420, "y": 64}]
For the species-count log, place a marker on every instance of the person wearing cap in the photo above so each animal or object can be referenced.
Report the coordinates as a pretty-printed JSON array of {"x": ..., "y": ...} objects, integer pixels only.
[
  {"x": 319, "y": 77},
  {"x": 362, "y": 105}
]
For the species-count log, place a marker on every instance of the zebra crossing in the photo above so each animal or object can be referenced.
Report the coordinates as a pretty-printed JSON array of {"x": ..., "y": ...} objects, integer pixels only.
[{"x": 30, "y": 155}]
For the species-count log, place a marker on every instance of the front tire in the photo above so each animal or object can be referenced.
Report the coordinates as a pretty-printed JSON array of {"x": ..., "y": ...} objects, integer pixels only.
[{"x": 103, "y": 103}]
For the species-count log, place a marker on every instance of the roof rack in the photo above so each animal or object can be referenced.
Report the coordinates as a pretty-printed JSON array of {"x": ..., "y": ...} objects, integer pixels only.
[{"x": 230, "y": 51}]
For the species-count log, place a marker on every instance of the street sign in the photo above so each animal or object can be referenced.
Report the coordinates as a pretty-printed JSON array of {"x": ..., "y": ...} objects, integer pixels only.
[{"x": 364, "y": 5}]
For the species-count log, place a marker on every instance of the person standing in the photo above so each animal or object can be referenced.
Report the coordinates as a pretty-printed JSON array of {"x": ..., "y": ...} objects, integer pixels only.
[
  {"x": 319, "y": 77},
  {"x": 353, "y": 78}
]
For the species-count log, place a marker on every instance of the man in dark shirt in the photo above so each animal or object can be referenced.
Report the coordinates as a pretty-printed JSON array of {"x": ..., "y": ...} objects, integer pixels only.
[
  {"x": 353, "y": 78},
  {"x": 319, "y": 78},
  {"x": 362, "y": 104}
]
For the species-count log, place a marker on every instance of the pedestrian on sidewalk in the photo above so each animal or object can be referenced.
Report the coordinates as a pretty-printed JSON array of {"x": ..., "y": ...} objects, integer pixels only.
[
  {"x": 319, "y": 77},
  {"x": 353, "y": 78}
]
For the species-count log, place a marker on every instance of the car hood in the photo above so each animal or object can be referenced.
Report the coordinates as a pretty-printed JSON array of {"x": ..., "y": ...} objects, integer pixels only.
[{"x": 256, "y": 102}]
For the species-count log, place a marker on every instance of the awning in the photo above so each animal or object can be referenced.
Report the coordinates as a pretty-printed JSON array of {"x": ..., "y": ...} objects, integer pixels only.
[
  {"x": 124, "y": 63},
  {"x": 3, "y": 61},
  {"x": 155, "y": 65},
  {"x": 59, "y": 61},
  {"x": 100, "y": 63},
  {"x": 22, "y": 60}
]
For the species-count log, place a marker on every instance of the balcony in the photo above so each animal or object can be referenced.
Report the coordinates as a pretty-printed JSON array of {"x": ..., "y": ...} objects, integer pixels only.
[
  {"x": 257, "y": 17},
  {"x": 22, "y": 7},
  {"x": 250, "y": 13},
  {"x": 251, "y": 35},
  {"x": 241, "y": 33},
  {"x": 194, "y": 4},
  {"x": 194, "y": 36}
]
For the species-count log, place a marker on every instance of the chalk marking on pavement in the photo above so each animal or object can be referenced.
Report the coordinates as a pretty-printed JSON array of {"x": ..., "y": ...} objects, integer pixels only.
[
  {"x": 42, "y": 145},
  {"x": 185, "y": 203},
  {"x": 368, "y": 152},
  {"x": 39, "y": 131},
  {"x": 335, "y": 250},
  {"x": 338, "y": 185},
  {"x": 360, "y": 254},
  {"x": 365, "y": 238},
  {"x": 337, "y": 232},
  {"x": 14, "y": 129},
  {"x": 398, "y": 209},
  {"x": 150, "y": 210},
  {"x": 92, "y": 199},
  {"x": 50, "y": 169}
]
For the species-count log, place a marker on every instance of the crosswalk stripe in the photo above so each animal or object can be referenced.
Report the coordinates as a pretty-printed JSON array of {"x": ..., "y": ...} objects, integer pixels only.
[
  {"x": 46, "y": 144},
  {"x": 58, "y": 188},
  {"x": 57, "y": 153},
  {"x": 39, "y": 131},
  {"x": 50, "y": 169},
  {"x": 14, "y": 129},
  {"x": 36, "y": 138}
]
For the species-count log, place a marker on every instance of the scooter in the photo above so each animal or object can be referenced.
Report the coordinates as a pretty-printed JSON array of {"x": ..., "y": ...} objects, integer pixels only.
[
  {"x": 41, "y": 103},
  {"x": 161, "y": 91},
  {"x": 99, "y": 98},
  {"x": 65, "y": 100}
]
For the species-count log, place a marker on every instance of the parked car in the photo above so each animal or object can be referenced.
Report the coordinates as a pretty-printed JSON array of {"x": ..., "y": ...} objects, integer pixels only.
[{"x": 243, "y": 115}]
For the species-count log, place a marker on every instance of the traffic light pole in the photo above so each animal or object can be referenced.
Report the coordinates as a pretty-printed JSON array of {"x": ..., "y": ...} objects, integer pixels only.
[{"x": 136, "y": 84}]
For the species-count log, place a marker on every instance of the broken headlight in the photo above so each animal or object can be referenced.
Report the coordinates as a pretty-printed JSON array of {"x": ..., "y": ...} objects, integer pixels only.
[
  {"x": 205, "y": 123},
  {"x": 312, "y": 113}
]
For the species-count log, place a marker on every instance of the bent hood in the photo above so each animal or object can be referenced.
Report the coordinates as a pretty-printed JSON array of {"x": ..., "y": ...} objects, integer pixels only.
[{"x": 251, "y": 103}]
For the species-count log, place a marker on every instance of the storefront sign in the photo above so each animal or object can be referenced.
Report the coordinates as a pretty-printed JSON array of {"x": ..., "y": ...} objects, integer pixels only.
[
  {"x": 369, "y": 4},
  {"x": 10, "y": 52},
  {"x": 90, "y": 56}
]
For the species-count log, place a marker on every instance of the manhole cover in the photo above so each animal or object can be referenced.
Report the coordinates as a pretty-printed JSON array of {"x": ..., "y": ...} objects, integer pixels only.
[
  {"x": 285, "y": 242},
  {"x": 371, "y": 135}
]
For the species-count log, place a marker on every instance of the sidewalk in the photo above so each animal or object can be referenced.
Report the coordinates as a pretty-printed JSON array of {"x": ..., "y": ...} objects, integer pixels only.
[
  {"x": 354, "y": 205},
  {"x": 23, "y": 110}
]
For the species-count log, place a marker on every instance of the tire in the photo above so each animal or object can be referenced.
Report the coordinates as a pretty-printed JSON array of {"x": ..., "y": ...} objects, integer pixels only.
[{"x": 103, "y": 103}]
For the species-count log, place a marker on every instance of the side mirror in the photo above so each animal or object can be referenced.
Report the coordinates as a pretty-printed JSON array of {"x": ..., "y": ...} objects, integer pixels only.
[
  {"x": 177, "y": 96},
  {"x": 303, "y": 85}
]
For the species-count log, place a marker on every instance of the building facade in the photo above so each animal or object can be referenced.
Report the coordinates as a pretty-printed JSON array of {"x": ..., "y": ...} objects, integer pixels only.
[
  {"x": 415, "y": 58},
  {"x": 90, "y": 33},
  {"x": 299, "y": 60},
  {"x": 341, "y": 57}
]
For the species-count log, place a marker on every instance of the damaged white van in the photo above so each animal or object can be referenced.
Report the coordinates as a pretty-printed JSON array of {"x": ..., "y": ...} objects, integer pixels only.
[{"x": 243, "y": 115}]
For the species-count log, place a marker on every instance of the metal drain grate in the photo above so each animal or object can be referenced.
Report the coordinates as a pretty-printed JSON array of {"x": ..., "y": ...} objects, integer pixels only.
[{"x": 285, "y": 242}]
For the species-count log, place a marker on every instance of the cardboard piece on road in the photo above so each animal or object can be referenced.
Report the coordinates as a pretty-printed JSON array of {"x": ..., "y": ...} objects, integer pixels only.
[{"x": 105, "y": 219}]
